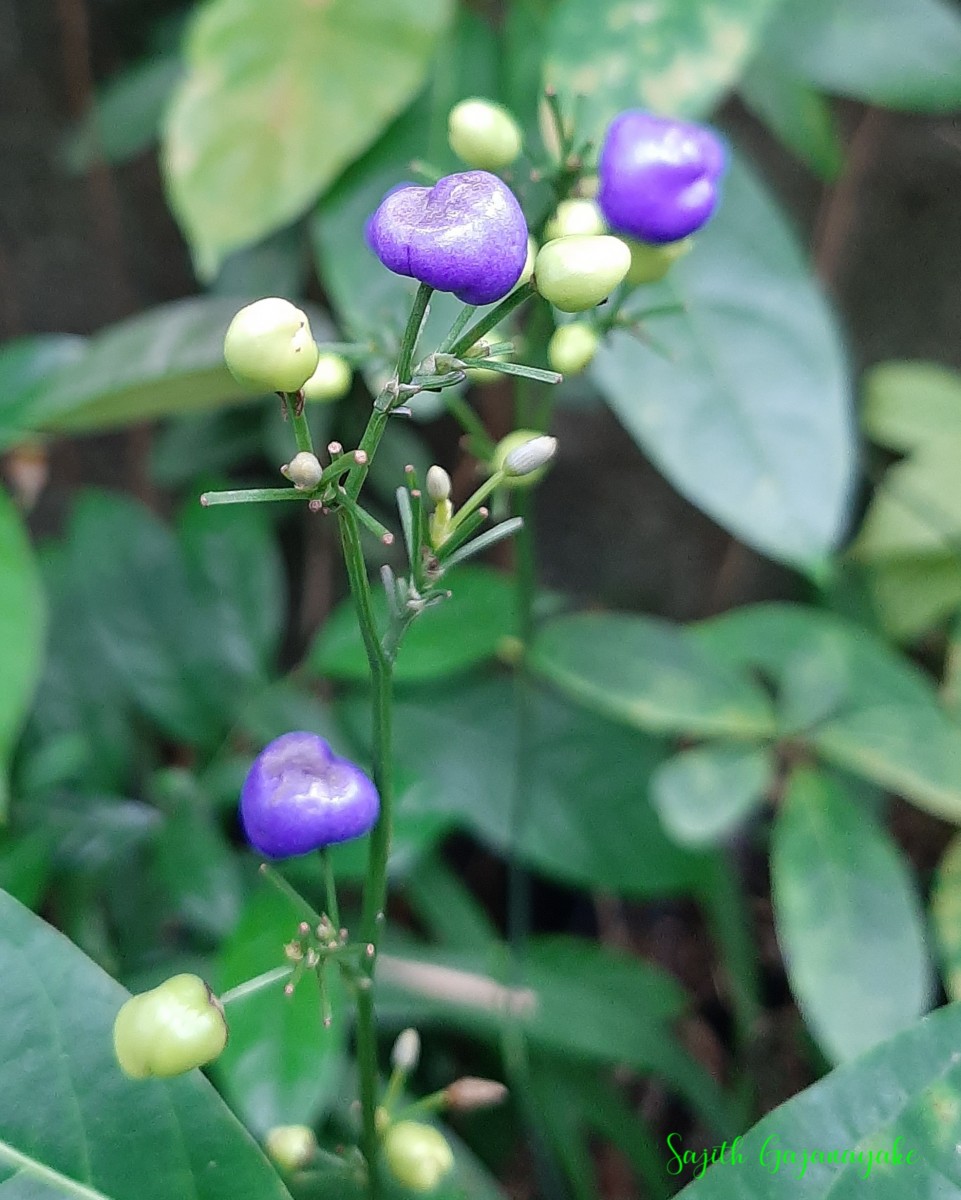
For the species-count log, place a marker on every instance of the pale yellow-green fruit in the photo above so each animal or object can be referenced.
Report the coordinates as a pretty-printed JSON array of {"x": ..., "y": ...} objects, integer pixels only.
[
  {"x": 331, "y": 379},
  {"x": 291, "y": 1147},
  {"x": 575, "y": 217},
  {"x": 572, "y": 347},
  {"x": 528, "y": 270},
  {"x": 418, "y": 1156},
  {"x": 520, "y": 443},
  {"x": 650, "y": 263},
  {"x": 269, "y": 347},
  {"x": 576, "y": 273},
  {"x": 170, "y": 1029},
  {"x": 483, "y": 135}
]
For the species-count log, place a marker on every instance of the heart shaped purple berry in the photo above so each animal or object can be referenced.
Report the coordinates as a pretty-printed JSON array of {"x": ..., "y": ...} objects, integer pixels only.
[
  {"x": 300, "y": 796},
  {"x": 465, "y": 235},
  {"x": 658, "y": 177}
]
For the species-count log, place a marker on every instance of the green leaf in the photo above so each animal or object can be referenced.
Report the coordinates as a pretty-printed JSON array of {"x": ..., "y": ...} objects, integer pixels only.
[
  {"x": 647, "y": 673},
  {"x": 569, "y": 996},
  {"x": 164, "y": 362},
  {"x": 26, "y": 862},
  {"x": 859, "y": 705},
  {"x": 277, "y": 100},
  {"x": 901, "y": 1098},
  {"x": 896, "y": 53},
  {"x": 946, "y": 916},
  {"x": 746, "y": 406},
  {"x": 677, "y": 59},
  {"x": 124, "y": 119},
  {"x": 281, "y": 1065},
  {"x": 71, "y": 1124},
  {"x": 581, "y": 816},
  {"x": 796, "y": 114},
  {"x": 703, "y": 794},
  {"x": 848, "y": 919},
  {"x": 22, "y": 622},
  {"x": 911, "y": 595},
  {"x": 26, "y": 364},
  {"x": 911, "y": 405},
  {"x": 446, "y": 639}
]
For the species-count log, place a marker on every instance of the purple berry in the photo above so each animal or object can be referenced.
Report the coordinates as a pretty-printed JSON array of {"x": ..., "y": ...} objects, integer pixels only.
[
  {"x": 465, "y": 235},
  {"x": 658, "y": 177},
  {"x": 300, "y": 796}
]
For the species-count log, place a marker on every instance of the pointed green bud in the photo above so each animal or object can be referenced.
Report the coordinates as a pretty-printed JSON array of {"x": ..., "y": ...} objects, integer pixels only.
[
  {"x": 575, "y": 273},
  {"x": 572, "y": 347},
  {"x": 269, "y": 347},
  {"x": 406, "y": 1052},
  {"x": 483, "y": 135},
  {"x": 331, "y": 379},
  {"x": 418, "y": 1156},
  {"x": 470, "y": 1093},
  {"x": 438, "y": 484},
  {"x": 523, "y": 456}
]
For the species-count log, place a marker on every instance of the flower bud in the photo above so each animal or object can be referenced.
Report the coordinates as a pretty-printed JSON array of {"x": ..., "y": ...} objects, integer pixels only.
[
  {"x": 170, "y": 1029},
  {"x": 331, "y": 379},
  {"x": 572, "y": 347},
  {"x": 575, "y": 217},
  {"x": 575, "y": 273},
  {"x": 418, "y": 1156},
  {"x": 291, "y": 1147},
  {"x": 523, "y": 456},
  {"x": 303, "y": 470},
  {"x": 406, "y": 1052},
  {"x": 650, "y": 263},
  {"x": 268, "y": 347},
  {"x": 438, "y": 484},
  {"x": 483, "y": 135},
  {"x": 469, "y": 1093}
]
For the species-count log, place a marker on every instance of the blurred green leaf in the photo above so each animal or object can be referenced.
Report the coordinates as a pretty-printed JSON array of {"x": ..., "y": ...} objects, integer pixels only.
[
  {"x": 124, "y": 118},
  {"x": 569, "y": 996},
  {"x": 902, "y": 1096},
  {"x": 26, "y": 364},
  {"x": 447, "y": 639},
  {"x": 946, "y": 916},
  {"x": 702, "y": 794},
  {"x": 796, "y": 114},
  {"x": 677, "y": 59},
  {"x": 26, "y": 862},
  {"x": 278, "y": 265},
  {"x": 71, "y": 1124},
  {"x": 277, "y": 100},
  {"x": 647, "y": 673},
  {"x": 582, "y": 814},
  {"x": 896, "y": 53},
  {"x": 911, "y": 405},
  {"x": 745, "y": 405},
  {"x": 22, "y": 623},
  {"x": 857, "y": 703},
  {"x": 282, "y": 1066},
  {"x": 848, "y": 919}
]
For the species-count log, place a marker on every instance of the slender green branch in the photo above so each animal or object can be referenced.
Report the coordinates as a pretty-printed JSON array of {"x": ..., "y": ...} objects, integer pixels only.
[
  {"x": 306, "y": 909},
  {"x": 409, "y": 343},
  {"x": 457, "y": 328},
  {"x": 330, "y": 888},
  {"x": 298, "y": 421},
  {"x": 491, "y": 318},
  {"x": 258, "y": 983},
  {"x": 252, "y": 496}
]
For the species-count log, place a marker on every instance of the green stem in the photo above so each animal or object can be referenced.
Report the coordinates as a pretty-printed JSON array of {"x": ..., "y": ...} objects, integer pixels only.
[
  {"x": 408, "y": 343},
  {"x": 375, "y": 883},
  {"x": 330, "y": 887},
  {"x": 457, "y": 328},
  {"x": 250, "y": 986},
  {"x": 473, "y": 503},
  {"x": 252, "y": 496},
  {"x": 299, "y": 424},
  {"x": 490, "y": 319},
  {"x": 306, "y": 909}
]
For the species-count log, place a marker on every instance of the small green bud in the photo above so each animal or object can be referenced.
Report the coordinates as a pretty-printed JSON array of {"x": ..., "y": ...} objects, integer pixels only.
[
  {"x": 575, "y": 273},
  {"x": 291, "y": 1147},
  {"x": 406, "y": 1052},
  {"x": 483, "y": 135},
  {"x": 578, "y": 217},
  {"x": 303, "y": 470},
  {"x": 269, "y": 347},
  {"x": 470, "y": 1093},
  {"x": 331, "y": 379},
  {"x": 572, "y": 347},
  {"x": 650, "y": 263},
  {"x": 169, "y": 1030},
  {"x": 524, "y": 457},
  {"x": 418, "y": 1156}
]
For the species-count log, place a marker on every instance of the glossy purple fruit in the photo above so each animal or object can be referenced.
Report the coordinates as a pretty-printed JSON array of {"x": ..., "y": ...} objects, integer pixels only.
[
  {"x": 300, "y": 796},
  {"x": 658, "y": 177},
  {"x": 465, "y": 235}
]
